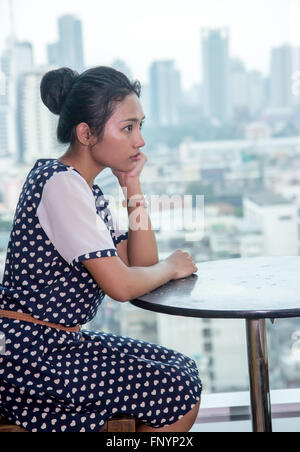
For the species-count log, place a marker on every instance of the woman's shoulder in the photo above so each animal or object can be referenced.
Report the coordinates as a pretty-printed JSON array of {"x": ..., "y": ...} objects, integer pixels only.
[
  {"x": 46, "y": 169},
  {"x": 52, "y": 178},
  {"x": 43, "y": 170},
  {"x": 54, "y": 175}
]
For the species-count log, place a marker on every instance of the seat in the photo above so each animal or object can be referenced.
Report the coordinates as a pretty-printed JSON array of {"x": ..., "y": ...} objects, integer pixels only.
[{"x": 119, "y": 423}]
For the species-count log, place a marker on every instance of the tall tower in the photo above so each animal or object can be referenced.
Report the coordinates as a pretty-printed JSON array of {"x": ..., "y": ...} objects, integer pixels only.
[
  {"x": 165, "y": 93},
  {"x": 216, "y": 69},
  {"x": 282, "y": 67},
  {"x": 68, "y": 51},
  {"x": 16, "y": 58},
  {"x": 70, "y": 41},
  {"x": 37, "y": 125}
]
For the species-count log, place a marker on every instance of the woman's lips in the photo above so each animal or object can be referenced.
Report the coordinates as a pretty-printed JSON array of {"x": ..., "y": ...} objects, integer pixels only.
[{"x": 136, "y": 157}]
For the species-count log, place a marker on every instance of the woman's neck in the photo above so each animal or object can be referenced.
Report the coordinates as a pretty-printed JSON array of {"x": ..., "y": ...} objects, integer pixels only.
[{"x": 82, "y": 162}]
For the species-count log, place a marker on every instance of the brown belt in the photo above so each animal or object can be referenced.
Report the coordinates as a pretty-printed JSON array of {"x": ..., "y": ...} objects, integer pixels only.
[{"x": 28, "y": 318}]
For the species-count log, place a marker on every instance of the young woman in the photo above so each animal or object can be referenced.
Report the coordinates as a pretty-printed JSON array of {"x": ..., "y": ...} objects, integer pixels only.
[{"x": 67, "y": 251}]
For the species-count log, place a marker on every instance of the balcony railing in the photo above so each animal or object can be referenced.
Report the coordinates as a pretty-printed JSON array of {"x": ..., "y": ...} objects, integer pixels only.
[{"x": 230, "y": 412}]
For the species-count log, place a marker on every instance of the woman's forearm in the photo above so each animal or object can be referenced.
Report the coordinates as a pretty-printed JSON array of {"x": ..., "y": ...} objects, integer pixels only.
[
  {"x": 124, "y": 283},
  {"x": 143, "y": 280},
  {"x": 142, "y": 246}
]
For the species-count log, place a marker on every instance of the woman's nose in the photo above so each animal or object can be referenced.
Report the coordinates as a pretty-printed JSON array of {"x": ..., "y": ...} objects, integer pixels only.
[
  {"x": 140, "y": 142},
  {"x": 143, "y": 142}
]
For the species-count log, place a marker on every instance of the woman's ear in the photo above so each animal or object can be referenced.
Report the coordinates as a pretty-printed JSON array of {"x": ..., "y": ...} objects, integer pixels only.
[{"x": 83, "y": 133}]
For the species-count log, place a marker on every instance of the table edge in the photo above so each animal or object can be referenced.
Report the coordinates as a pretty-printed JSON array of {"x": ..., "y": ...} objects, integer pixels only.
[{"x": 216, "y": 314}]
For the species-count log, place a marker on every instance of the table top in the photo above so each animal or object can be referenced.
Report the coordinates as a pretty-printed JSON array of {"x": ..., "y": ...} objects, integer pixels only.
[{"x": 248, "y": 288}]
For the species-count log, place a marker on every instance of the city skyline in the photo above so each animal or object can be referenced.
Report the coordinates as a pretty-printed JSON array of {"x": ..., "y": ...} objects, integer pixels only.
[
  {"x": 136, "y": 43},
  {"x": 230, "y": 94}
]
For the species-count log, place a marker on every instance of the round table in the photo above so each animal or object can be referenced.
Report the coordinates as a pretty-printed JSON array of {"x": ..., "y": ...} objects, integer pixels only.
[{"x": 253, "y": 289}]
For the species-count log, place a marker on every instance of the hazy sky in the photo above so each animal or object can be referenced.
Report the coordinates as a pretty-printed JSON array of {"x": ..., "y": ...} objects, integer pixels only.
[{"x": 139, "y": 31}]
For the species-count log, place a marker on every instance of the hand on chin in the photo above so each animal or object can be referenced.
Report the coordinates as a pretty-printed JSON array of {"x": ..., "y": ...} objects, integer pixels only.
[{"x": 135, "y": 172}]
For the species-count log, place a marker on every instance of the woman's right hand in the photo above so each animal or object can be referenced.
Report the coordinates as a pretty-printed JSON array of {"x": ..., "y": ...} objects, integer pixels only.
[{"x": 182, "y": 264}]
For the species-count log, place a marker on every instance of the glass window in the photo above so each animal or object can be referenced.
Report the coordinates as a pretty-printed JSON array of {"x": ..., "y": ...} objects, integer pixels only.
[{"x": 222, "y": 103}]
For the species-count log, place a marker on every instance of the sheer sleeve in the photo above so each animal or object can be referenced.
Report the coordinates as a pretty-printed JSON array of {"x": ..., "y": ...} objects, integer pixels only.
[{"x": 68, "y": 215}]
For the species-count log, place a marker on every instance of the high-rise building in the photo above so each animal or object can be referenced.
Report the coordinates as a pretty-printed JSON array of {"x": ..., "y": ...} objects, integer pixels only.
[
  {"x": 238, "y": 85},
  {"x": 256, "y": 92},
  {"x": 68, "y": 51},
  {"x": 283, "y": 64},
  {"x": 38, "y": 125},
  {"x": 216, "y": 72},
  {"x": 247, "y": 89},
  {"x": 53, "y": 54},
  {"x": 165, "y": 93},
  {"x": 15, "y": 60}
]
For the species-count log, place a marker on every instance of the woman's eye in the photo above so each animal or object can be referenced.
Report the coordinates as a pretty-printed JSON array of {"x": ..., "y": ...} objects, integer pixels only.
[{"x": 130, "y": 127}]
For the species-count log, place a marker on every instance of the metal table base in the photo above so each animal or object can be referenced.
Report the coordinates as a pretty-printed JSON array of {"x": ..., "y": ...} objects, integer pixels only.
[{"x": 259, "y": 376}]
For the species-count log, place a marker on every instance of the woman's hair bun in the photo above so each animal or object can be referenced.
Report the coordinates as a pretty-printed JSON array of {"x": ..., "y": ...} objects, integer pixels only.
[{"x": 55, "y": 87}]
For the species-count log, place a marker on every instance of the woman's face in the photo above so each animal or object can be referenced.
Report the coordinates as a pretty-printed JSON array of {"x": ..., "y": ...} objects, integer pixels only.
[{"x": 122, "y": 138}]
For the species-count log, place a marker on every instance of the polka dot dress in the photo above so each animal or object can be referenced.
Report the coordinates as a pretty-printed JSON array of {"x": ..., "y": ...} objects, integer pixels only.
[{"x": 57, "y": 381}]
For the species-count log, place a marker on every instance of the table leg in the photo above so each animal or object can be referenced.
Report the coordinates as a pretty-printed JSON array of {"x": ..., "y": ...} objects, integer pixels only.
[{"x": 259, "y": 375}]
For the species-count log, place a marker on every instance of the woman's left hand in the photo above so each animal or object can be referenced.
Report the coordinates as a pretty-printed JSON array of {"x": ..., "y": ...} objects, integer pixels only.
[{"x": 125, "y": 177}]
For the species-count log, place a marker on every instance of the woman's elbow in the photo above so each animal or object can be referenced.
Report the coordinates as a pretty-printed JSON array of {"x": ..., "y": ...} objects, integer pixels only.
[
  {"x": 120, "y": 297},
  {"x": 122, "y": 294}
]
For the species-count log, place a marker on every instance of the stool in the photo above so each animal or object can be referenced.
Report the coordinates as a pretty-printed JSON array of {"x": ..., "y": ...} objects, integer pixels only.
[{"x": 120, "y": 423}]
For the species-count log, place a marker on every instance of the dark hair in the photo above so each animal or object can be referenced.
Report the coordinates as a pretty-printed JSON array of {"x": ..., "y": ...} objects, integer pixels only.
[{"x": 89, "y": 97}]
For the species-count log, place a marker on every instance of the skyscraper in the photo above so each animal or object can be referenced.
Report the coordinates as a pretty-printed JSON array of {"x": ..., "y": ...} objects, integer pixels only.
[
  {"x": 238, "y": 86},
  {"x": 38, "y": 125},
  {"x": 257, "y": 92},
  {"x": 282, "y": 67},
  {"x": 165, "y": 93},
  {"x": 216, "y": 69},
  {"x": 53, "y": 54},
  {"x": 15, "y": 60},
  {"x": 68, "y": 51},
  {"x": 247, "y": 89}
]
